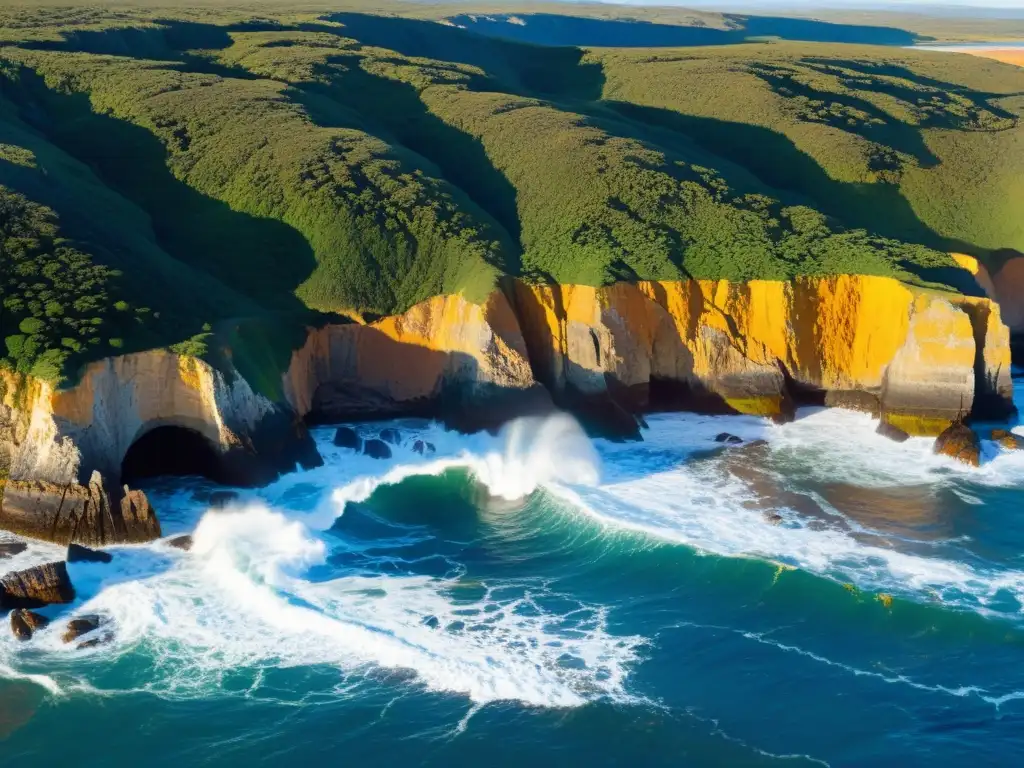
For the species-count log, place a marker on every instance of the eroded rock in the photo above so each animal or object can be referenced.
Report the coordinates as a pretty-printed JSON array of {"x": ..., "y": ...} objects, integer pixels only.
[
  {"x": 423, "y": 448},
  {"x": 24, "y": 623},
  {"x": 891, "y": 431},
  {"x": 961, "y": 443},
  {"x": 376, "y": 449},
  {"x": 36, "y": 587},
  {"x": 346, "y": 437},
  {"x": 83, "y": 514},
  {"x": 79, "y": 554},
  {"x": 11, "y": 548},
  {"x": 181, "y": 542},
  {"x": 106, "y": 637},
  {"x": 1008, "y": 440},
  {"x": 82, "y": 625}
]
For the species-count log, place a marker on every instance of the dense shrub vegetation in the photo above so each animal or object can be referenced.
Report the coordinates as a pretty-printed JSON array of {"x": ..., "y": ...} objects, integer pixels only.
[{"x": 191, "y": 177}]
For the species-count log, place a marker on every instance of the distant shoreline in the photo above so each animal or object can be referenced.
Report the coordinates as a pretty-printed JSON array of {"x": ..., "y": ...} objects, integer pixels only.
[{"x": 1006, "y": 52}]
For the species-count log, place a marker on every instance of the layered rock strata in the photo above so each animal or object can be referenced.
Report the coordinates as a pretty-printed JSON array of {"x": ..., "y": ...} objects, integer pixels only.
[
  {"x": 918, "y": 358},
  {"x": 446, "y": 357}
]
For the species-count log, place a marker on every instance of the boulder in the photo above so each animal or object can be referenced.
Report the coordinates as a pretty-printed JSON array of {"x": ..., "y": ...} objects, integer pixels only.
[
  {"x": 36, "y": 587},
  {"x": 960, "y": 442},
  {"x": 422, "y": 447},
  {"x": 1008, "y": 440},
  {"x": 725, "y": 437},
  {"x": 79, "y": 554},
  {"x": 376, "y": 449},
  {"x": 11, "y": 548},
  {"x": 24, "y": 623},
  {"x": 891, "y": 431},
  {"x": 391, "y": 435},
  {"x": 83, "y": 514},
  {"x": 106, "y": 637},
  {"x": 181, "y": 542},
  {"x": 773, "y": 518},
  {"x": 82, "y": 625},
  {"x": 346, "y": 437}
]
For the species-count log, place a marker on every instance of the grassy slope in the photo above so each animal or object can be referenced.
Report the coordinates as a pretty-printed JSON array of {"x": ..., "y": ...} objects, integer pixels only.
[{"x": 238, "y": 169}]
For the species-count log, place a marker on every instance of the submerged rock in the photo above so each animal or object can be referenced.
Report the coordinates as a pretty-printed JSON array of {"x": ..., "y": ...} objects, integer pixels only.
[
  {"x": 183, "y": 542},
  {"x": 773, "y": 518},
  {"x": 422, "y": 447},
  {"x": 82, "y": 625},
  {"x": 891, "y": 431},
  {"x": 728, "y": 439},
  {"x": 36, "y": 587},
  {"x": 106, "y": 637},
  {"x": 346, "y": 437},
  {"x": 11, "y": 548},
  {"x": 1008, "y": 440},
  {"x": 79, "y": 554},
  {"x": 391, "y": 435},
  {"x": 24, "y": 623},
  {"x": 961, "y": 443},
  {"x": 376, "y": 449}
]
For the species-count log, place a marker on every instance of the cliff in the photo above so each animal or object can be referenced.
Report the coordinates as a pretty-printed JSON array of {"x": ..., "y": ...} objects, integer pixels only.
[
  {"x": 917, "y": 358},
  {"x": 446, "y": 357},
  {"x": 1003, "y": 283},
  {"x": 61, "y": 451}
]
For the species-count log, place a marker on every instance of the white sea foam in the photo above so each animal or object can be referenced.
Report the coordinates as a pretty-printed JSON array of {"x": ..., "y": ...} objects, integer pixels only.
[
  {"x": 704, "y": 505},
  {"x": 256, "y": 592}
]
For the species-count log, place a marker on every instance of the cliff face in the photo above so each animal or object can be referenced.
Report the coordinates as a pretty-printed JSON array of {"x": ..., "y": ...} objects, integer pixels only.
[
  {"x": 444, "y": 357},
  {"x": 917, "y": 358},
  {"x": 1004, "y": 285},
  {"x": 61, "y": 450}
]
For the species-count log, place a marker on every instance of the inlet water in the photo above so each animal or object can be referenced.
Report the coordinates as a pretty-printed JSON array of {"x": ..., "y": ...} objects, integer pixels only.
[{"x": 815, "y": 595}]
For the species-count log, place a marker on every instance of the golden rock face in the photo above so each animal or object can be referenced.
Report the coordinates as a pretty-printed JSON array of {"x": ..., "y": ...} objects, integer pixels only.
[
  {"x": 1004, "y": 285},
  {"x": 911, "y": 349}
]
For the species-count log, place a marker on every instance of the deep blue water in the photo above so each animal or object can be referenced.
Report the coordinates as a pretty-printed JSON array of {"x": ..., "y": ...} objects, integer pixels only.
[{"x": 540, "y": 599}]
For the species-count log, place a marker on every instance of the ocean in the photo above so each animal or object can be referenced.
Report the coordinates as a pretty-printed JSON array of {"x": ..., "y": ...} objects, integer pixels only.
[{"x": 817, "y": 595}]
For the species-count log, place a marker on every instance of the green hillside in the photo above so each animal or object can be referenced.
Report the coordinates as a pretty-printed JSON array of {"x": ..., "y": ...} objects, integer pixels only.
[{"x": 171, "y": 176}]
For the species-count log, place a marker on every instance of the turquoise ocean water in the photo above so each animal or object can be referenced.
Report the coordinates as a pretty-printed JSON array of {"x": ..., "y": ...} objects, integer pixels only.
[{"x": 537, "y": 598}]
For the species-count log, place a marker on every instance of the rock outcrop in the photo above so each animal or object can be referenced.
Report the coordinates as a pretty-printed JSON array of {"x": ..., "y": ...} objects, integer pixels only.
[
  {"x": 81, "y": 514},
  {"x": 916, "y": 357},
  {"x": 36, "y": 587},
  {"x": 63, "y": 436},
  {"x": 1004, "y": 284},
  {"x": 959, "y": 442},
  {"x": 11, "y": 548},
  {"x": 1008, "y": 440},
  {"x": 79, "y": 554},
  {"x": 24, "y": 623},
  {"x": 82, "y": 625}
]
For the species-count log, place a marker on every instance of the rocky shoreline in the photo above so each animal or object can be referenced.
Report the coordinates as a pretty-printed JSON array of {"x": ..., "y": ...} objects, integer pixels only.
[{"x": 918, "y": 359}]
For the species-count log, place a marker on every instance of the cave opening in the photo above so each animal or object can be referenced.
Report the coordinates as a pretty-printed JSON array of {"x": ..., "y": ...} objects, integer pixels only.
[{"x": 170, "y": 450}]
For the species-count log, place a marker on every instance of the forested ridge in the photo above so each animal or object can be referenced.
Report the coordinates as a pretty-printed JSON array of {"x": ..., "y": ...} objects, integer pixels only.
[{"x": 169, "y": 177}]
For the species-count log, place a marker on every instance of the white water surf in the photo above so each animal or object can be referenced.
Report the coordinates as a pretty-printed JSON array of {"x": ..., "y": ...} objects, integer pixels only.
[{"x": 258, "y": 592}]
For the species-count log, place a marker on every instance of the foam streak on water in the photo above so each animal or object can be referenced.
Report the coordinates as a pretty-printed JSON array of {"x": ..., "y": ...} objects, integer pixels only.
[
  {"x": 256, "y": 592},
  {"x": 655, "y": 490}
]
